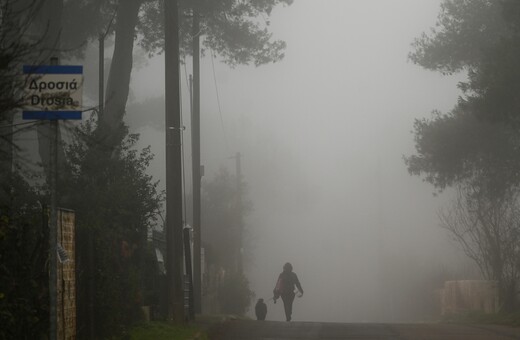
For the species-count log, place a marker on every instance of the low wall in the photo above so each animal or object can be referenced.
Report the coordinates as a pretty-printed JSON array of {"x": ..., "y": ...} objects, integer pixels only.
[{"x": 469, "y": 295}]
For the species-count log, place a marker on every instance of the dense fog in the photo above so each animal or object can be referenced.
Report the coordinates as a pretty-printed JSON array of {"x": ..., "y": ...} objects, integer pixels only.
[{"x": 322, "y": 135}]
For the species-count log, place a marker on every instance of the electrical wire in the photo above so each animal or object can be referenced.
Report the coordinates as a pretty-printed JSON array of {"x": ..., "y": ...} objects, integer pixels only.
[
  {"x": 218, "y": 100},
  {"x": 25, "y": 128},
  {"x": 18, "y": 124},
  {"x": 186, "y": 76}
]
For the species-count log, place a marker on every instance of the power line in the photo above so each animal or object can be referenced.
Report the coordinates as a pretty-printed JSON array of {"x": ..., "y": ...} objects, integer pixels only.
[
  {"x": 25, "y": 128},
  {"x": 218, "y": 100},
  {"x": 18, "y": 124},
  {"x": 186, "y": 75}
]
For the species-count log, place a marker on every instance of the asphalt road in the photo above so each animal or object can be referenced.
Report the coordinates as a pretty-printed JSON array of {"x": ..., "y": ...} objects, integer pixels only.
[{"x": 270, "y": 330}]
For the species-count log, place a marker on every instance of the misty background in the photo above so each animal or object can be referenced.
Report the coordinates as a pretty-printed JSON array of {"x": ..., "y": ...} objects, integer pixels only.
[{"x": 322, "y": 134}]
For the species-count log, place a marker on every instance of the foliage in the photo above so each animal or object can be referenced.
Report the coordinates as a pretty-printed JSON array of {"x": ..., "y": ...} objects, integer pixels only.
[
  {"x": 488, "y": 230},
  {"x": 115, "y": 203},
  {"x": 479, "y": 36},
  {"x": 223, "y": 217},
  {"x": 231, "y": 28},
  {"x": 463, "y": 32},
  {"x": 234, "y": 294},
  {"x": 24, "y": 298},
  {"x": 457, "y": 148},
  {"x": 475, "y": 147},
  {"x": 477, "y": 142},
  {"x": 15, "y": 50},
  {"x": 83, "y": 21}
]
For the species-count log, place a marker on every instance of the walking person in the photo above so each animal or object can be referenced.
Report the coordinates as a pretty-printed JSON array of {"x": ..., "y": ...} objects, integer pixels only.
[{"x": 287, "y": 281}]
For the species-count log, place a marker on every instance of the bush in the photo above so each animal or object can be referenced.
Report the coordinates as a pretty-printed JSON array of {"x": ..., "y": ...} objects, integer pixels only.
[
  {"x": 24, "y": 297},
  {"x": 234, "y": 294}
]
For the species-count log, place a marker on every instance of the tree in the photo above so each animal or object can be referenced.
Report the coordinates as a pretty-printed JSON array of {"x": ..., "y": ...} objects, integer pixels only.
[
  {"x": 221, "y": 238},
  {"x": 488, "y": 230},
  {"x": 116, "y": 203},
  {"x": 480, "y": 37},
  {"x": 462, "y": 34},
  {"x": 222, "y": 216},
  {"x": 24, "y": 297},
  {"x": 231, "y": 28},
  {"x": 15, "y": 50},
  {"x": 459, "y": 148},
  {"x": 478, "y": 140},
  {"x": 475, "y": 147}
]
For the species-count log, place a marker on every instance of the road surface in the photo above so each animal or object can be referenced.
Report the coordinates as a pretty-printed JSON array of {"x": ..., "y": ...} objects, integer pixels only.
[{"x": 271, "y": 330}]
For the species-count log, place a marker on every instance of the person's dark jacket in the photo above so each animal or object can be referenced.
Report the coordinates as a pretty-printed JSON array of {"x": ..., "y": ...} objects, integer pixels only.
[{"x": 287, "y": 280}]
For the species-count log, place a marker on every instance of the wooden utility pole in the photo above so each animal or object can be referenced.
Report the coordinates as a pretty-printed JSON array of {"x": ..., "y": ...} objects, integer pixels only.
[
  {"x": 174, "y": 222},
  {"x": 53, "y": 223},
  {"x": 240, "y": 231},
  {"x": 196, "y": 175},
  {"x": 48, "y": 144},
  {"x": 101, "y": 76}
]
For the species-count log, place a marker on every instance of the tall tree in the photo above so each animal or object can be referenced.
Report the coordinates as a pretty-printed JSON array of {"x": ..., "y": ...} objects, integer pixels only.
[
  {"x": 15, "y": 50},
  {"x": 118, "y": 86},
  {"x": 220, "y": 210},
  {"x": 232, "y": 28},
  {"x": 221, "y": 239},
  {"x": 488, "y": 231},
  {"x": 476, "y": 146},
  {"x": 115, "y": 203}
]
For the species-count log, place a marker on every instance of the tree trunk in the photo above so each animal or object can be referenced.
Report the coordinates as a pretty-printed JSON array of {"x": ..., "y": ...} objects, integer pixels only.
[
  {"x": 6, "y": 158},
  {"x": 111, "y": 125}
]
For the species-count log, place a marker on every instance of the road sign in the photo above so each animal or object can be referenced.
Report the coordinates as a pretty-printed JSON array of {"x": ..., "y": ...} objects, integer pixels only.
[{"x": 53, "y": 92}]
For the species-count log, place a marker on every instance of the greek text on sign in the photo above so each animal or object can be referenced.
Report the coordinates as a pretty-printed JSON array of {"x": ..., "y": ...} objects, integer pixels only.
[{"x": 53, "y": 92}]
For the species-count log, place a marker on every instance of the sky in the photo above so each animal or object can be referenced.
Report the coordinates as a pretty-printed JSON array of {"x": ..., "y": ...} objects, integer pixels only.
[{"x": 323, "y": 134}]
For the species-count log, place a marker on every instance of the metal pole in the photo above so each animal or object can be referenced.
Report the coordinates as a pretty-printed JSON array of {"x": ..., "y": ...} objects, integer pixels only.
[
  {"x": 53, "y": 223},
  {"x": 196, "y": 177},
  {"x": 174, "y": 222}
]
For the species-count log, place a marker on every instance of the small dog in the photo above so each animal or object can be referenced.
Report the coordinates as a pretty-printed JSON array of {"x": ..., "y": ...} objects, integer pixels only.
[{"x": 260, "y": 310}]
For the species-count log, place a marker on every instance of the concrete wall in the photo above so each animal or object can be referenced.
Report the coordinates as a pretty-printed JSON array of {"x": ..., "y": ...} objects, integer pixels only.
[{"x": 469, "y": 295}]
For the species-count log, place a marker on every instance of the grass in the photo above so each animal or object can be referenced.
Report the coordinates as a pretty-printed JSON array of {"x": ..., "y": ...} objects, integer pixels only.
[
  {"x": 157, "y": 330},
  {"x": 160, "y": 330}
]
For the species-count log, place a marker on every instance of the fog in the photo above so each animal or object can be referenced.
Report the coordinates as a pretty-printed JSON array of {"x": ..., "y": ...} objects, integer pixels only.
[{"x": 323, "y": 134}]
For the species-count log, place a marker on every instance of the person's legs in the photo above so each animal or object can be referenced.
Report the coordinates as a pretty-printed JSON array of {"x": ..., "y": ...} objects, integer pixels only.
[{"x": 287, "y": 304}]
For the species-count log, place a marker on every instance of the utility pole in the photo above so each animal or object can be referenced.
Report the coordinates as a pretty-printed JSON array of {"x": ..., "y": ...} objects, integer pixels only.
[
  {"x": 51, "y": 18},
  {"x": 101, "y": 96},
  {"x": 196, "y": 173},
  {"x": 174, "y": 222},
  {"x": 240, "y": 227},
  {"x": 189, "y": 273},
  {"x": 53, "y": 223}
]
